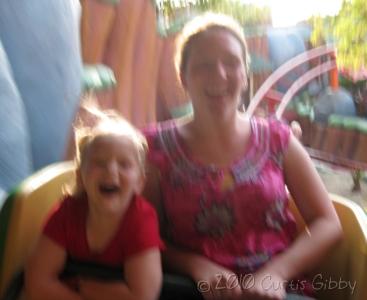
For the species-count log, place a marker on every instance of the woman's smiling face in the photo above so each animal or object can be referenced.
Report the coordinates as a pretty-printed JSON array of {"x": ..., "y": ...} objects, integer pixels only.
[{"x": 215, "y": 75}]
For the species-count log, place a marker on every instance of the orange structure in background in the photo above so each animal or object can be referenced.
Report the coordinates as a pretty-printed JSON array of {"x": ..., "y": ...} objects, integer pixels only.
[
  {"x": 333, "y": 75},
  {"x": 124, "y": 37}
]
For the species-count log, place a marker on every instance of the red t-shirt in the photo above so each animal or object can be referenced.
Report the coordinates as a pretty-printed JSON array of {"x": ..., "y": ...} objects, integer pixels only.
[{"x": 137, "y": 232}]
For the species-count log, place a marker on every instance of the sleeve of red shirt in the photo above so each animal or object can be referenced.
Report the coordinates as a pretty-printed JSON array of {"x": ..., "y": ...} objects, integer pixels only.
[
  {"x": 143, "y": 230},
  {"x": 54, "y": 227}
]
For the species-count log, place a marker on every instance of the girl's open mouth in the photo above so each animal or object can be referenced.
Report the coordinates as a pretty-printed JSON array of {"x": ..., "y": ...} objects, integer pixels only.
[{"x": 109, "y": 189}]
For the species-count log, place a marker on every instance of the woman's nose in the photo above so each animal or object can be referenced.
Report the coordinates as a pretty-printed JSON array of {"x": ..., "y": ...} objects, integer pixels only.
[{"x": 220, "y": 71}]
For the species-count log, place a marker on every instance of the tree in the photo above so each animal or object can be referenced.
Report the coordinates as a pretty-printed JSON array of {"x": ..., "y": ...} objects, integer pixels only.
[
  {"x": 348, "y": 30},
  {"x": 175, "y": 12}
]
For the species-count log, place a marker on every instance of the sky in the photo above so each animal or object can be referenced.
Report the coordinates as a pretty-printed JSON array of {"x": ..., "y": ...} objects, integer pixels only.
[{"x": 289, "y": 12}]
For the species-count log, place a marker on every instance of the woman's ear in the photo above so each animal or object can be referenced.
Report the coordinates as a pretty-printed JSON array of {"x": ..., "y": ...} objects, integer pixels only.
[
  {"x": 183, "y": 79},
  {"x": 245, "y": 81},
  {"x": 245, "y": 85}
]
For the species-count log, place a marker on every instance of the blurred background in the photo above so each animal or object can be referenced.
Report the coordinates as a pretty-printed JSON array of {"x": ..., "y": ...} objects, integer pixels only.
[{"x": 54, "y": 54}]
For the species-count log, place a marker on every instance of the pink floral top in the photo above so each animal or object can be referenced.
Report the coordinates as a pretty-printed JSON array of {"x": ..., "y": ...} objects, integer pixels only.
[{"x": 237, "y": 216}]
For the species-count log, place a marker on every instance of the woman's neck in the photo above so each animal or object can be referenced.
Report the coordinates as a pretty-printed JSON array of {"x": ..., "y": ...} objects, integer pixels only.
[
  {"x": 223, "y": 128},
  {"x": 219, "y": 143}
]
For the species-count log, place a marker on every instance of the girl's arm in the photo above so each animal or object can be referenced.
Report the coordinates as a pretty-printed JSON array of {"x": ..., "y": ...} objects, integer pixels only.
[
  {"x": 42, "y": 271},
  {"x": 323, "y": 226},
  {"x": 143, "y": 280}
]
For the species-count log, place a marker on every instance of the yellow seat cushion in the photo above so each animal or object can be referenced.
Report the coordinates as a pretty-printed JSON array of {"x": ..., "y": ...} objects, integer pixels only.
[
  {"x": 343, "y": 274},
  {"x": 29, "y": 207}
]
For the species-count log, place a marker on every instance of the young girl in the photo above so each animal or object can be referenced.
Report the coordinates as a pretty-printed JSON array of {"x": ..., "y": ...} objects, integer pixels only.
[
  {"x": 218, "y": 180},
  {"x": 104, "y": 222}
]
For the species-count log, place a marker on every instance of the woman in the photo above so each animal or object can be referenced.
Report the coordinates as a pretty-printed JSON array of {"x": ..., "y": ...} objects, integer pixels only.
[{"x": 218, "y": 180}]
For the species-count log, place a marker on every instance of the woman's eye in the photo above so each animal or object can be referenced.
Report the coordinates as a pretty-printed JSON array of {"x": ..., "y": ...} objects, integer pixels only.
[
  {"x": 232, "y": 63},
  {"x": 99, "y": 162},
  {"x": 205, "y": 66}
]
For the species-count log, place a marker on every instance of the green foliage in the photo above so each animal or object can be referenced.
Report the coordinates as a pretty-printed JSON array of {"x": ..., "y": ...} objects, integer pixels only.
[
  {"x": 245, "y": 14},
  {"x": 322, "y": 30},
  {"x": 173, "y": 13},
  {"x": 349, "y": 32}
]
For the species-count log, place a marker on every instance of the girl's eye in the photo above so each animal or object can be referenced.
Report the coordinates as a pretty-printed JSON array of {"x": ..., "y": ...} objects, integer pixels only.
[{"x": 125, "y": 164}]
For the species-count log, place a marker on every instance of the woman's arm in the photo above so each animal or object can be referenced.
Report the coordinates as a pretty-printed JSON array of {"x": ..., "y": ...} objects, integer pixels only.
[
  {"x": 323, "y": 226},
  {"x": 143, "y": 280},
  {"x": 42, "y": 271}
]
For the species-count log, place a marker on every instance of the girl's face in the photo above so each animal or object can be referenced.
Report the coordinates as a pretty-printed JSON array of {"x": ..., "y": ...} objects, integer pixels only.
[
  {"x": 110, "y": 173},
  {"x": 215, "y": 71}
]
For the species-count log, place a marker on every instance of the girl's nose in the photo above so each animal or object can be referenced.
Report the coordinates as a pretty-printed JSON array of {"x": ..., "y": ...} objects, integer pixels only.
[{"x": 112, "y": 167}]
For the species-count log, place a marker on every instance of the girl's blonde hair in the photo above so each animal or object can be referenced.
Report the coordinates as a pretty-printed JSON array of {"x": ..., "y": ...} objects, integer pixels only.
[
  {"x": 201, "y": 24},
  {"x": 107, "y": 122}
]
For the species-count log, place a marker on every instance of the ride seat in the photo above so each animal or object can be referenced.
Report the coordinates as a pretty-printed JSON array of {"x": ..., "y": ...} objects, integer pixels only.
[{"x": 24, "y": 212}]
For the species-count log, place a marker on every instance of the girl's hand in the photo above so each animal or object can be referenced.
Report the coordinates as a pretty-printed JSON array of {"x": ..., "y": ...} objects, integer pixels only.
[
  {"x": 142, "y": 280},
  {"x": 215, "y": 282},
  {"x": 264, "y": 285},
  {"x": 91, "y": 289}
]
